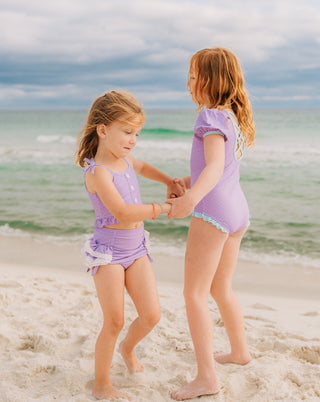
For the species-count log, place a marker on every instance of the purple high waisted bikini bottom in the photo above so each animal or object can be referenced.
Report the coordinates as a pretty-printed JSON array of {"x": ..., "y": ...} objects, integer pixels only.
[{"x": 115, "y": 246}]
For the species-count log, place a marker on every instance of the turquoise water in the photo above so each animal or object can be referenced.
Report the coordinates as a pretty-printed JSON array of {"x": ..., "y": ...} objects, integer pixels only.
[{"x": 42, "y": 193}]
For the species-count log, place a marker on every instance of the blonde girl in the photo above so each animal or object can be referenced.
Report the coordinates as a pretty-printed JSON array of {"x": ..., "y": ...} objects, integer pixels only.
[
  {"x": 117, "y": 254},
  {"x": 220, "y": 214}
]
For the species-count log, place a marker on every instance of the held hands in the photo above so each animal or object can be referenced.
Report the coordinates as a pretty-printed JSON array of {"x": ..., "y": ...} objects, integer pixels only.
[
  {"x": 181, "y": 207},
  {"x": 176, "y": 188},
  {"x": 180, "y": 204}
]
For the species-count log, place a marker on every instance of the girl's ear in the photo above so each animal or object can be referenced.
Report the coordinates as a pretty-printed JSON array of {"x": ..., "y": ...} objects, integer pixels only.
[{"x": 101, "y": 130}]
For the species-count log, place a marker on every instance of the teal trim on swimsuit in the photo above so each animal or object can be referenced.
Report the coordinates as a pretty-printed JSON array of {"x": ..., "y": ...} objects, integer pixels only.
[
  {"x": 213, "y": 132},
  {"x": 209, "y": 219}
]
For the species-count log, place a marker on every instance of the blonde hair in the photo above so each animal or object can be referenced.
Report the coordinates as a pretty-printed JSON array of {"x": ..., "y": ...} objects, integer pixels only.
[
  {"x": 220, "y": 84},
  {"x": 111, "y": 107}
]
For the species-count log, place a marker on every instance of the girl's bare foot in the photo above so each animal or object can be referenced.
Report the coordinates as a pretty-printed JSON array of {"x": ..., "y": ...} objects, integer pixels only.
[
  {"x": 224, "y": 358},
  {"x": 196, "y": 388},
  {"x": 130, "y": 358},
  {"x": 108, "y": 392}
]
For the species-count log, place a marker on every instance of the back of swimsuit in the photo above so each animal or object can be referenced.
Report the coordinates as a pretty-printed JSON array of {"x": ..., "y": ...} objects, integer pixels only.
[{"x": 225, "y": 206}]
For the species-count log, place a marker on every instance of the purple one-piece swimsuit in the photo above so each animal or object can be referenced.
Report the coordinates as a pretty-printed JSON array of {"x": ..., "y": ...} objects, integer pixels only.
[{"x": 225, "y": 206}]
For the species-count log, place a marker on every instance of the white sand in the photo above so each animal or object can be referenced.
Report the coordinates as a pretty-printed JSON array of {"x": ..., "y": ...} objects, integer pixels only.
[{"x": 50, "y": 318}]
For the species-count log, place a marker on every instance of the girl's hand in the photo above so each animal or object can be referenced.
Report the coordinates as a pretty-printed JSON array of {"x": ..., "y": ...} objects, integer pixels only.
[
  {"x": 181, "y": 207},
  {"x": 176, "y": 188},
  {"x": 166, "y": 208}
]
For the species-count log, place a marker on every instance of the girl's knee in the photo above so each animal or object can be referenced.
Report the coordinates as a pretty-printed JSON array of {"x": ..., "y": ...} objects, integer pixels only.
[
  {"x": 220, "y": 293},
  {"x": 114, "y": 323},
  {"x": 193, "y": 296},
  {"x": 151, "y": 318}
]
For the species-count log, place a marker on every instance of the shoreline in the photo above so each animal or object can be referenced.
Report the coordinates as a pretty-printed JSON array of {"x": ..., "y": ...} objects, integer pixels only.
[{"x": 259, "y": 278}]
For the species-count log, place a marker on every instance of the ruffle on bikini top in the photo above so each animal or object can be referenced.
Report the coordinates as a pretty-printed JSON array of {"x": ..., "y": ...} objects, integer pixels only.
[{"x": 107, "y": 221}]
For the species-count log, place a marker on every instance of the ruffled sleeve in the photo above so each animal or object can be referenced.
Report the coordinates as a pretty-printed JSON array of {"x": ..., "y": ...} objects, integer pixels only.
[{"x": 211, "y": 121}]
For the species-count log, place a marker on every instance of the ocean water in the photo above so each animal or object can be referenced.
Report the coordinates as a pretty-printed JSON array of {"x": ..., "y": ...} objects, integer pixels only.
[{"x": 42, "y": 192}]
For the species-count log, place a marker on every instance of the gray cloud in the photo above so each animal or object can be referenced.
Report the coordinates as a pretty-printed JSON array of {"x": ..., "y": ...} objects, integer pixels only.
[{"x": 65, "y": 53}]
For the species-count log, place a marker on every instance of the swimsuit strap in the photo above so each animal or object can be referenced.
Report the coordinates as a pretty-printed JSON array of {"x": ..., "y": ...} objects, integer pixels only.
[
  {"x": 127, "y": 162},
  {"x": 235, "y": 120},
  {"x": 91, "y": 165},
  {"x": 232, "y": 113},
  {"x": 240, "y": 138}
]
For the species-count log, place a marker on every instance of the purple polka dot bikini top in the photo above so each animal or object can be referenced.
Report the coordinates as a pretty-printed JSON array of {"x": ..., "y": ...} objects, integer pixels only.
[{"x": 126, "y": 183}]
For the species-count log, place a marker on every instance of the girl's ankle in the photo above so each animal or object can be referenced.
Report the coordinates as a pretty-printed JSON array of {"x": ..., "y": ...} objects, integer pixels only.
[{"x": 98, "y": 385}]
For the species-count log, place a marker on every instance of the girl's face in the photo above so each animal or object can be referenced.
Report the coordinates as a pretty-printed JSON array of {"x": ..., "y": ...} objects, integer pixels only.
[
  {"x": 191, "y": 83},
  {"x": 120, "y": 138}
]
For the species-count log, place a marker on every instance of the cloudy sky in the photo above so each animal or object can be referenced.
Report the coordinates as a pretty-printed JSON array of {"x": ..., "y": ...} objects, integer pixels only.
[{"x": 64, "y": 53}]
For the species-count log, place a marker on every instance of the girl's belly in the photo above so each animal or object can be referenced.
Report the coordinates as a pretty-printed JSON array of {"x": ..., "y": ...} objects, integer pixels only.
[{"x": 125, "y": 226}]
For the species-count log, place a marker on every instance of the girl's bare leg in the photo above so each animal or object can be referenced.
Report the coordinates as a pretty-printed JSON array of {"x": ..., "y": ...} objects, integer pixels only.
[
  {"x": 109, "y": 282},
  {"x": 228, "y": 303},
  {"x": 141, "y": 286},
  {"x": 204, "y": 247}
]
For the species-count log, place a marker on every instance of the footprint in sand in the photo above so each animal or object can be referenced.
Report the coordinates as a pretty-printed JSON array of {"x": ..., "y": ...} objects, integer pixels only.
[
  {"x": 252, "y": 317},
  {"x": 295, "y": 378},
  {"x": 36, "y": 343},
  {"x": 219, "y": 323},
  {"x": 169, "y": 314},
  {"x": 311, "y": 314},
  {"x": 272, "y": 345},
  {"x": 310, "y": 354},
  {"x": 260, "y": 306},
  {"x": 10, "y": 284},
  {"x": 48, "y": 369},
  {"x": 89, "y": 385}
]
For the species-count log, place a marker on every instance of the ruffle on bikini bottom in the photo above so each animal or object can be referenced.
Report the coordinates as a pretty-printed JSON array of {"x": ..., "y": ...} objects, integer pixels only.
[
  {"x": 147, "y": 242},
  {"x": 96, "y": 254}
]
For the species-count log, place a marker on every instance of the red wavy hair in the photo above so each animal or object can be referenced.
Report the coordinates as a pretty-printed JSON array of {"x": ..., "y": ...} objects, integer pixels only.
[{"x": 220, "y": 84}]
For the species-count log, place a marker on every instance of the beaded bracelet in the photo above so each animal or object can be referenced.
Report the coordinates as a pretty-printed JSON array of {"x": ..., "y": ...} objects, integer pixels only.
[{"x": 154, "y": 211}]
